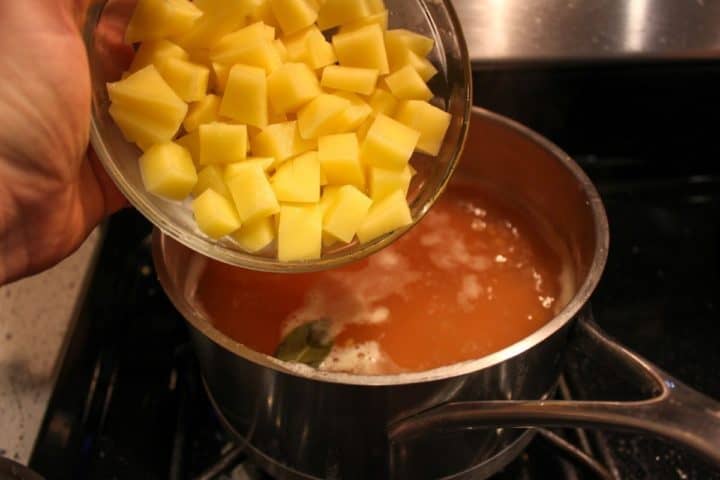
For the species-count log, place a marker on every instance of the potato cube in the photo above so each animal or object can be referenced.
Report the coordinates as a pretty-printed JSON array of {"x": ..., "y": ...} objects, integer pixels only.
[
  {"x": 245, "y": 98},
  {"x": 251, "y": 191},
  {"x": 363, "y": 47},
  {"x": 281, "y": 49},
  {"x": 383, "y": 182},
  {"x": 329, "y": 194},
  {"x": 280, "y": 141},
  {"x": 221, "y": 73},
  {"x": 388, "y": 144},
  {"x": 153, "y": 50},
  {"x": 429, "y": 120},
  {"x": 215, "y": 214},
  {"x": 340, "y": 159},
  {"x": 262, "y": 54},
  {"x": 263, "y": 13},
  {"x": 387, "y": 215},
  {"x": 319, "y": 52},
  {"x": 294, "y": 15},
  {"x": 291, "y": 86},
  {"x": 299, "y": 233},
  {"x": 220, "y": 17},
  {"x": 334, "y": 13},
  {"x": 380, "y": 18},
  {"x": 422, "y": 65},
  {"x": 265, "y": 163},
  {"x": 168, "y": 171},
  {"x": 189, "y": 80},
  {"x": 399, "y": 39},
  {"x": 382, "y": 101},
  {"x": 222, "y": 143},
  {"x": 296, "y": 44},
  {"x": 346, "y": 213},
  {"x": 353, "y": 116},
  {"x": 229, "y": 47},
  {"x": 349, "y": 79},
  {"x": 211, "y": 177},
  {"x": 407, "y": 84},
  {"x": 298, "y": 179},
  {"x": 376, "y": 6},
  {"x": 317, "y": 117},
  {"x": 191, "y": 142},
  {"x": 254, "y": 236},
  {"x": 155, "y": 19},
  {"x": 204, "y": 111},
  {"x": 148, "y": 96},
  {"x": 143, "y": 131}
]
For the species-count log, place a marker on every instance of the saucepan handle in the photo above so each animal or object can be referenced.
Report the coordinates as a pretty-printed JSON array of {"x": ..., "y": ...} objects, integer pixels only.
[{"x": 674, "y": 411}]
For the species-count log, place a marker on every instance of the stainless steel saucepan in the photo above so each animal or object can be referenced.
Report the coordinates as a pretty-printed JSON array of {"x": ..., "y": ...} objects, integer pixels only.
[{"x": 449, "y": 422}]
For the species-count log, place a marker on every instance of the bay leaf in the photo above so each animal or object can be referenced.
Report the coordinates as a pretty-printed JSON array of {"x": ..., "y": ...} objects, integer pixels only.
[{"x": 309, "y": 343}]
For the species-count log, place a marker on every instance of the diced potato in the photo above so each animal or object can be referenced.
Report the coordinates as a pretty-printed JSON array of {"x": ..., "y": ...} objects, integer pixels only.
[
  {"x": 400, "y": 38},
  {"x": 251, "y": 191},
  {"x": 168, "y": 171},
  {"x": 269, "y": 33},
  {"x": 155, "y": 19},
  {"x": 353, "y": 116},
  {"x": 220, "y": 17},
  {"x": 329, "y": 194},
  {"x": 422, "y": 65},
  {"x": 430, "y": 121},
  {"x": 222, "y": 143},
  {"x": 281, "y": 49},
  {"x": 296, "y": 44},
  {"x": 298, "y": 179},
  {"x": 291, "y": 86},
  {"x": 407, "y": 84},
  {"x": 388, "y": 144},
  {"x": 334, "y": 13},
  {"x": 148, "y": 95},
  {"x": 274, "y": 117},
  {"x": 214, "y": 214},
  {"x": 245, "y": 99},
  {"x": 189, "y": 80},
  {"x": 319, "y": 52},
  {"x": 231, "y": 46},
  {"x": 345, "y": 215},
  {"x": 376, "y": 6},
  {"x": 317, "y": 117},
  {"x": 294, "y": 15},
  {"x": 263, "y": 13},
  {"x": 380, "y": 18},
  {"x": 262, "y": 54},
  {"x": 204, "y": 111},
  {"x": 265, "y": 163},
  {"x": 340, "y": 159},
  {"x": 280, "y": 141},
  {"x": 191, "y": 142},
  {"x": 254, "y": 236},
  {"x": 387, "y": 215},
  {"x": 153, "y": 50},
  {"x": 382, "y": 101},
  {"x": 211, "y": 177},
  {"x": 221, "y": 73},
  {"x": 299, "y": 233},
  {"x": 363, "y": 47},
  {"x": 350, "y": 79},
  {"x": 383, "y": 182},
  {"x": 143, "y": 131}
]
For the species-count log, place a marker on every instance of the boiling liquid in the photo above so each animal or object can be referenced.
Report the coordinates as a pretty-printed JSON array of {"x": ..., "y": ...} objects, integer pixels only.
[{"x": 473, "y": 277}]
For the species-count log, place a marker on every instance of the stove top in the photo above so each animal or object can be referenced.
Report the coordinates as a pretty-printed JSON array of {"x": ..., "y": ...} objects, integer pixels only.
[{"x": 129, "y": 401}]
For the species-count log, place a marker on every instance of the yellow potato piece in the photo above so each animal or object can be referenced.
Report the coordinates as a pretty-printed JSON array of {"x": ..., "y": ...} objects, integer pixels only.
[
  {"x": 380, "y": 18},
  {"x": 334, "y": 13},
  {"x": 147, "y": 95},
  {"x": 153, "y": 50},
  {"x": 245, "y": 99},
  {"x": 191, "y": 142},
  {"x": 398, "y": 39},
  {"x": 422, "y": 65},
  {"x": 265, "y": 163},
  {"x": 263, "y": 13},
  {"x": 349, "y": 79},
  {"x": 189, "y": 80},
  {"x": 220, "y": 17},
  {"x": 407, "y": 84},
  {"x": 382, "y": 101},
  {"x": 222, "y": 143},
  {"x": 387, "y": 215},
  {"x": 317, "y": 117},
  {"x": 298, "y": 179},
  {"x": 251, "y": 191},
  {"x": 220, "y": 76},
  {"x": 204, "y": 111},
  {"x": 339, "y": 157},
  {"x": 291, "y": 86},
  {"x": 346, "y": 213},
  {"x": 294, "y": 15},
  {"x": 232, "y": 46},
  {"x": 281, "y": 49},
  {"x": 299, "y": 233},
  {"x": 376, "y": 6},
  {"x": 363, "y": 47},
  {"x": 144, "y": 132},
  {"x": 353, "y": 116},
  {"x": 215, "y": 214},
  {"x": 319, "y": 52},
  {"x": 280, "y": 141},
  {"x": 155, "y": 19},
  {"x": 430, "y": 121},
  {"x": 383, "y": 182},
  {"x": 168, "y": 171},
  {"x": 211, "y": 177},
  {"x": 254, "y": 236},
  {"x": 388, "y": 144}
]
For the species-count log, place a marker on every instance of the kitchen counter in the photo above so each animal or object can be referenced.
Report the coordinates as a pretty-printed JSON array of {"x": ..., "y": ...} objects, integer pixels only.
[{"x": 35, "y": 316}]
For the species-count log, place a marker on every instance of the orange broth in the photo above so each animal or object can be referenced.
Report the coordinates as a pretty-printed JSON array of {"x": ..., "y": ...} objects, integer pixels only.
[{"x": 472, "y": 278}]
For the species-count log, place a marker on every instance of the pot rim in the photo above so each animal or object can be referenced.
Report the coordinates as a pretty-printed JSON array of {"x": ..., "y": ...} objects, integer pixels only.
[{"x": 602, "y": 240}]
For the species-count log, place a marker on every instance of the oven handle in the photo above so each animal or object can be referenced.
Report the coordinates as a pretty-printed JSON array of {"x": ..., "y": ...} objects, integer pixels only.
[{"x": 675, "y": 412}]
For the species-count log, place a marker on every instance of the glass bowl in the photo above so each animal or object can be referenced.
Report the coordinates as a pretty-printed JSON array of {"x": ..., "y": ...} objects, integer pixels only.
[{"x": 109, "y": 57}]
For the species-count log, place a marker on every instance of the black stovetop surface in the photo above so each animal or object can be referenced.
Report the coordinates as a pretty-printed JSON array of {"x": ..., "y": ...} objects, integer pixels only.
[{"x": 129, "y": 403}]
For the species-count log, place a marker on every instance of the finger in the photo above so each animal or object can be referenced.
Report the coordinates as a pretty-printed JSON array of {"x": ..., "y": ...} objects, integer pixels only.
[{"x": 114, "y": 199}]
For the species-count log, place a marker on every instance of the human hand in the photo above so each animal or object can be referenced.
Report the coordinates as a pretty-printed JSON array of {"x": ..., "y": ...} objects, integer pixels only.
[{"x": 53, "y": 191}]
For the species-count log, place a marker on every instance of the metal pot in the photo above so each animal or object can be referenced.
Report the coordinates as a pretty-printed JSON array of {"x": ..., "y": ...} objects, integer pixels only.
[{"x": 302, "y": 423}]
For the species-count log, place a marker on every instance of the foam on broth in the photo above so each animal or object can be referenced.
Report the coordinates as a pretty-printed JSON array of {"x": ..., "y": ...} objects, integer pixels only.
[{"x": 475, "y": 276}]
